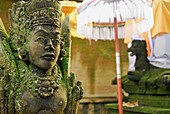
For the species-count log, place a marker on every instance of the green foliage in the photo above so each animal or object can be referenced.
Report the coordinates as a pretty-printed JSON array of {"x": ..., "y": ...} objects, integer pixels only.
[{"x": 10, "y": 75}]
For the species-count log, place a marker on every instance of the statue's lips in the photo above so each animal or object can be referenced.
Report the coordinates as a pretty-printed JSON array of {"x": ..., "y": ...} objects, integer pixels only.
[{"x": 48, "y": 56}]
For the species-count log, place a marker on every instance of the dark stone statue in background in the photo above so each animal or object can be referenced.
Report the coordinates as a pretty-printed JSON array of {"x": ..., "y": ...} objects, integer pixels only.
[
  {"x": 146, "y": 79},
  {"x": 34, "y": 62},
  {"x": 142, "y": 65},
  {"x": 149, "y": 85}
]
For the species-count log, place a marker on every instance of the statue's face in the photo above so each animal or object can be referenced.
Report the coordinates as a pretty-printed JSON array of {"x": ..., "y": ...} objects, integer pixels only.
[{"x": 44, "y": 46}]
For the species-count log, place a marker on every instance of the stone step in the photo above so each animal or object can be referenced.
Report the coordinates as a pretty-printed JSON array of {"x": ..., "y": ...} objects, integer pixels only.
[
  {"x": 162, "y": 101},
  {"x": 139, "y": 109}
]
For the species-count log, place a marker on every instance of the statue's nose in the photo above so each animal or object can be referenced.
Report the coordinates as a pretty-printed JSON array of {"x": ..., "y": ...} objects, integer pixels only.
[{"x": 49, "y": 45}]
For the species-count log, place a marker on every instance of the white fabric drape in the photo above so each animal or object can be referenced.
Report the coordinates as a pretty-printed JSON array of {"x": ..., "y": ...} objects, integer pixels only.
[{"x": 161, "y": 53}]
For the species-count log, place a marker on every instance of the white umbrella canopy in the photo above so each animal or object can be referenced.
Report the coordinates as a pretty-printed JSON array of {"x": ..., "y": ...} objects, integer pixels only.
[
  {"x": 104, "y": 11},
  {"x": 114, "y": 11}
]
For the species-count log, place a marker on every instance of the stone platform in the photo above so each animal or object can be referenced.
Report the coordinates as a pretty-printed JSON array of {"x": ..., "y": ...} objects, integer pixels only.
[{"x": 147, "y": 104}]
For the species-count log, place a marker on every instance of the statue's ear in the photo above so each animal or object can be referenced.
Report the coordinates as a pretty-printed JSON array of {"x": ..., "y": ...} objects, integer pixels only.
[{"x": 66, "y": 34}]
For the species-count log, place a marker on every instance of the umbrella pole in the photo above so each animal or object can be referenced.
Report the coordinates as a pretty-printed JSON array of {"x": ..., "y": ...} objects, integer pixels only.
[{"x": 118, "y": 67}]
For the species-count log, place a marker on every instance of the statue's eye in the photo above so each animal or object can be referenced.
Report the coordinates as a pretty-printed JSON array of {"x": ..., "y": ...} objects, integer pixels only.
[
  {"x": 55, "y": 41},
  {"x": 40, "y": 39}
]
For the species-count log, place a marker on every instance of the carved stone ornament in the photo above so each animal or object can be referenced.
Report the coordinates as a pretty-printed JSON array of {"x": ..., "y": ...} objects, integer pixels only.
[{"x": 34, "y": 61}]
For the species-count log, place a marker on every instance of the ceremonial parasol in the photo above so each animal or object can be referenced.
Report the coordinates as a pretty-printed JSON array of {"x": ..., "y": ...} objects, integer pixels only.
[{"x": 115, "y": 11}]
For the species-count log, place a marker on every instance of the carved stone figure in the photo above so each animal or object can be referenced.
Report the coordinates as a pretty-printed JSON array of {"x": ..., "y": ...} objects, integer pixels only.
[
  {"x": 34, "y": 62},
  {"x": 147, "y": 79},
  {"x": 148, "y": 85},
  {"x": 142, "y": 65}
]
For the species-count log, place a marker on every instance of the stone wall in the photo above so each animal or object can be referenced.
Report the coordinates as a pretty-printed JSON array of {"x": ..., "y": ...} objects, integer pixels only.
[{"x": 95, "y": 65}]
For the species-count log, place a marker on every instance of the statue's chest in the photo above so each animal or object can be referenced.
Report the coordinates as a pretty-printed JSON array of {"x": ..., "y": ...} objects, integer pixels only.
[{"x": 47, "y": 100}]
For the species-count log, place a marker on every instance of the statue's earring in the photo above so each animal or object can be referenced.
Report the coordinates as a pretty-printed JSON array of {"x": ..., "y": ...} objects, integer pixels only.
[
  {"x": 62, "y": 44},
  {"x": 62, "y": 51},
  {"x": 62, "y": 54},
  {"x": 23, "y": 54}
]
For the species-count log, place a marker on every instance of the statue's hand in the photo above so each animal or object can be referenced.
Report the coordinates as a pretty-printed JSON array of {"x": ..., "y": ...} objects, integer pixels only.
[
  {"x": 76, "y": 90},
  {"x": 75, "y": 93}
]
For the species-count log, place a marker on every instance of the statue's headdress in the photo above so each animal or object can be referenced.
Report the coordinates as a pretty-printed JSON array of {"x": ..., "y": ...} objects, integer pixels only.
[
  {"x": 35, "y": 12},
  {"x": 44, "y": 12},
  {"x": 25, "y": 15}
]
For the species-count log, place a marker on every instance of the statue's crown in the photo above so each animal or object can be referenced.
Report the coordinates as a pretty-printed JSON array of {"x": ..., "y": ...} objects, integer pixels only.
[
  {"x": 35, "y": 12},
  {"x": 44, "y": 12}
]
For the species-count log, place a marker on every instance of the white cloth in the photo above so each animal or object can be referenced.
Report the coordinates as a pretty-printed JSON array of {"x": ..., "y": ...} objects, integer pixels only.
[
  {"x": 161, "y": 51},
  {"x": 132, "y": 59}
]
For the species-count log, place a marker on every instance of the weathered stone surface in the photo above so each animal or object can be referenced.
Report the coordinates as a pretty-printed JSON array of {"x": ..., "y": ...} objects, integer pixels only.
[{"x": 35, "y": 75}]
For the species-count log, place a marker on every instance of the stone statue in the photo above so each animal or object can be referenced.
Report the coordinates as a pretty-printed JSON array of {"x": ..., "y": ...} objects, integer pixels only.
[
  {"x": 142, "y": 65},
  {"x": 146, "y": 79},
  {"x": 148, "y": 84},
  {"x": 34, "y": 62}
]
